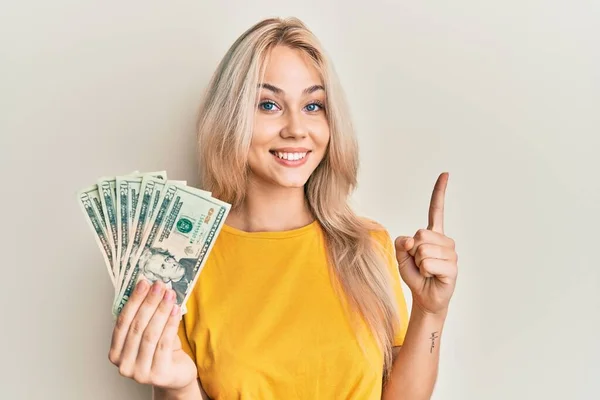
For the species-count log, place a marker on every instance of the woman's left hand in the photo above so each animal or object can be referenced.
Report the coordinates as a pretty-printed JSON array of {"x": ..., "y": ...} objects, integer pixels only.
[{"x": 428, "y": 261}]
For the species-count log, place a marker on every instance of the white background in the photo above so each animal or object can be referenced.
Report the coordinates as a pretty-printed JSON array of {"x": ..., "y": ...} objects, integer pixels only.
[{"x": 504, "y": 95}]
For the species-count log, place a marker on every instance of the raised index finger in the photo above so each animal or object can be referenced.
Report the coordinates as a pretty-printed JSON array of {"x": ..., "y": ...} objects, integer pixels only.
[{"x": 436, "y": 208}]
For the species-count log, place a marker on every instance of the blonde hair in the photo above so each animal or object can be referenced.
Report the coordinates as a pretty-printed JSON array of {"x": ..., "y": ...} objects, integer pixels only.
[{"x": 224, "y": 133}]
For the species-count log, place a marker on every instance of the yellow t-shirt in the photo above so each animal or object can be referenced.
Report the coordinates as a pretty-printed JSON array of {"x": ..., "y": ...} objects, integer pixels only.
[{"x": 265, "y": 322}]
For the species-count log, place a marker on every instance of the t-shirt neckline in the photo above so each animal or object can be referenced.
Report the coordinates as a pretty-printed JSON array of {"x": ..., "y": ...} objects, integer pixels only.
[{"x": 271, "y": 234}]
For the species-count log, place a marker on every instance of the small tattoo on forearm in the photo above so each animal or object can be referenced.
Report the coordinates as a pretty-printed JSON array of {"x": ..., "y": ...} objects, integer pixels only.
[{"x": 433, "y": 337}]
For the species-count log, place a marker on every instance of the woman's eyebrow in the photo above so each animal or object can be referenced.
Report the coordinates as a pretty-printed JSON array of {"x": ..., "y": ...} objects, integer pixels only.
[
  {"x": 278, "y": 91},
  {"x": 313, "y": 89}
]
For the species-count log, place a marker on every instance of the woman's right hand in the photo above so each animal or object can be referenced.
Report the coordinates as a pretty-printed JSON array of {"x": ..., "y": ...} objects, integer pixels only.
[{"x": 145, "y": 345}]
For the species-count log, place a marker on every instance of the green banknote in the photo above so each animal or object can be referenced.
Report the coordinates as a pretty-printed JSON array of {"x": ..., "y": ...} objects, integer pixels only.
[
  {"x": 108, "y": 197},
  {"x": 150, "y": 191},
  {"x": 106, "y": 189},
  {"x": 176, "y": 242},
  {"x": 128, "y": 190},
  {"x": 150, "y": 227},
  {"x": 89, "y": 200}
]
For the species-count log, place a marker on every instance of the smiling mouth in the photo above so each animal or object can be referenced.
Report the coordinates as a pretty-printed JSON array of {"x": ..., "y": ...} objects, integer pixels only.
[
  {"x": 290, "y": 159},
  {"x": 290, "y": 156}
]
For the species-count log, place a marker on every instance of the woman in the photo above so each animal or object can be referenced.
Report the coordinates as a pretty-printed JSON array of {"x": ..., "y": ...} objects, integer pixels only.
[{"x": 300, "y": 298}]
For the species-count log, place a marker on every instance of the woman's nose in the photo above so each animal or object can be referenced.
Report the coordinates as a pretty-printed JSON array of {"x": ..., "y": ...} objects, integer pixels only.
[{"x": 294, "y": 126}]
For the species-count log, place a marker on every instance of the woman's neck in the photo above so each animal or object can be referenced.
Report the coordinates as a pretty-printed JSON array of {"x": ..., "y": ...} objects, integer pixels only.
[{"x": 271, "y": 209}]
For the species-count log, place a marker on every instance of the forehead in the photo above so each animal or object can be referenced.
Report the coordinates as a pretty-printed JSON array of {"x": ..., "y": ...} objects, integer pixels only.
[{"x": 291, "y": 70}]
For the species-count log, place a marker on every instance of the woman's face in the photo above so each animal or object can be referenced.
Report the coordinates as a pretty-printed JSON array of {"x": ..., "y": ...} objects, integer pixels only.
[{"x": 291, "y": 131}]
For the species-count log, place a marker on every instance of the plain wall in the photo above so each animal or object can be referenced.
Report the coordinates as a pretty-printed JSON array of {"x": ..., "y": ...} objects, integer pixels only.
[{"x": 503, "y": 95}]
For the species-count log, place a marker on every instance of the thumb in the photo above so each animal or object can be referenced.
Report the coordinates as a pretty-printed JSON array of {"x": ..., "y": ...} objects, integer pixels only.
[
  {"x": 406, "y": 263},
  {"x": 403, "y": 245}
]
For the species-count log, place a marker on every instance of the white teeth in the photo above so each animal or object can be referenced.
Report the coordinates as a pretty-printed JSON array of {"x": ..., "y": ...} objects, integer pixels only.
[{"x": 290, "y": 156}]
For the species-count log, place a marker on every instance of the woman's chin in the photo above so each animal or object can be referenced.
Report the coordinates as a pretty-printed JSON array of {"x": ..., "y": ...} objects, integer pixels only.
[
  {"x": 286, "y": 180},
  {"x": 292, "y": 181}
]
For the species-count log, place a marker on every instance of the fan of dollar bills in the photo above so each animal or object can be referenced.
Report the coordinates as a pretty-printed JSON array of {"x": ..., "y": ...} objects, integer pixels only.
[{"x": 150, "y": 227}]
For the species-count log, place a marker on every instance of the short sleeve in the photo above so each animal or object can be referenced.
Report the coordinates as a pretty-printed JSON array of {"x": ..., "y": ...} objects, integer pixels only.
[{"x": 387, "y": 245}]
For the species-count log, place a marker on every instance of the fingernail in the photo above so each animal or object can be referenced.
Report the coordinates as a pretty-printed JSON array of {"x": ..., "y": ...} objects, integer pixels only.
[
  {"x": 175, "y": 309},
  {"x": 141, "y": 286}
]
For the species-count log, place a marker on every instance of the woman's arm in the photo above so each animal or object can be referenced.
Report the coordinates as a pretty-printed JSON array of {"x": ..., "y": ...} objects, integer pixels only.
[
  {"x": 415, "y": 367},
  {"x": 428, "y": 265},
  {"x": 191, "y": 392}
]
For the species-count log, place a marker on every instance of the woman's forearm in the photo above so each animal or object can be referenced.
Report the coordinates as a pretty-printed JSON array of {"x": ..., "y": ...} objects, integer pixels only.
[{"x": 415, "y": 368}]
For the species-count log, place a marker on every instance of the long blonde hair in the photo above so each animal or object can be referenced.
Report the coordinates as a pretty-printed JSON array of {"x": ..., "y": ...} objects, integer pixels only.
[{"x": 224, "y": 133}]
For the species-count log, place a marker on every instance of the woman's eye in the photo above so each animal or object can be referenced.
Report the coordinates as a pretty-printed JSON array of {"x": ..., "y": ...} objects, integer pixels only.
[
  {"x": 312, "y": 107},
  {"x": 268, "y": 106}
]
